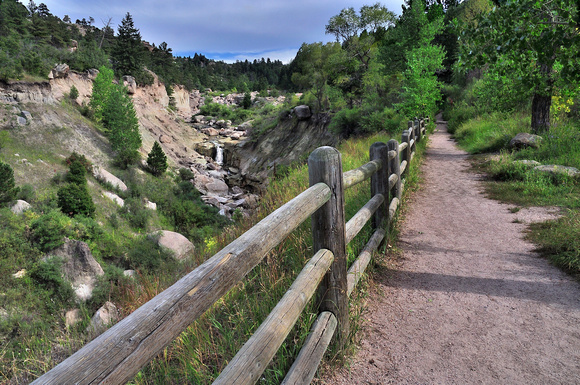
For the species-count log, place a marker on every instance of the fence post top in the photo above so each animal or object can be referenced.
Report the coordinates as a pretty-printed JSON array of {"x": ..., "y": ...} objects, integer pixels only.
[
  {"x": 378, "y": 145},
  {"x": 324, "y": 151}
]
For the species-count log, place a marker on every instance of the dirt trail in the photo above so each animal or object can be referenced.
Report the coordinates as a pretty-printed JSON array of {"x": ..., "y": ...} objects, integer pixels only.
[{"x": 470, "y": 302}]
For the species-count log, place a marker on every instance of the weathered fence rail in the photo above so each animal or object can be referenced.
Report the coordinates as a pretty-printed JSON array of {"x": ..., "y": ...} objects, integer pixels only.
[{"x": 118, "y": 354}]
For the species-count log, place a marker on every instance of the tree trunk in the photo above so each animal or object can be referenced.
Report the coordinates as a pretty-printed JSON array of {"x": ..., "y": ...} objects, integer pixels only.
[
  {"x": 542, "y": 101},
  {"x": 541, "y": 113}
]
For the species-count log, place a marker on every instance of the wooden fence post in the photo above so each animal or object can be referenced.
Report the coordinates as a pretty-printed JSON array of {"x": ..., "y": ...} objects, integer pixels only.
[
  {"x": 328, "y": 232},
  {"x": 380, "y": 183},
  {"x": 420, "y": 130},
  {"x": 417, "y": 132},
  {"x": 405, "y": 138},
  {"x": 395, "y": 168}
]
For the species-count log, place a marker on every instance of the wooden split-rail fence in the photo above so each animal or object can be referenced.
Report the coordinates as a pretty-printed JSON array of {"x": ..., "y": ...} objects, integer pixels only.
[{"x": 117, "y": 355}]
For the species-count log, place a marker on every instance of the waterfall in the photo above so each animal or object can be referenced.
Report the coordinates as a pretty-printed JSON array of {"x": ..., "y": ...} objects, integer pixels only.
[{"x": 219, "y": 154}]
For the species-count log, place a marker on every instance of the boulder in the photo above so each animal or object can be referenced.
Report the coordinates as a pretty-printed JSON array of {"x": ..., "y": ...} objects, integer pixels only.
[
  {"x": 105, "y": 176},
  {"x": 562, "y": 170},
  {"x": 150, "y": 205},
  {"x": 217, "y": 187},
  {"x": 245, "y": 126},
  {"x": 523, "y": 140},
  {"x": 210, "y": 131},
  {"x": 179, "y": 245},
  {"x": 527, "y": 162},
  {"x": 199, "y": 118},
  {"x": 20, "y": 121},
  {"x": 103, "y": 318},
  {"x": 79, "y": 267},
  {"x": 130, "y": 83},
  {"x": 60, "y": 71},
  {"x": 26, "y": 115},
  {"x": 72, "y": 317},
  {"x": 92, "y": 73},
  {"x": 164, "y": 139},
  {"x": 115, "y": 198},
  {"x": 20, "y": 206},
  {"x": 19, "y": 274},
  {"x": 302, "y": 112}
]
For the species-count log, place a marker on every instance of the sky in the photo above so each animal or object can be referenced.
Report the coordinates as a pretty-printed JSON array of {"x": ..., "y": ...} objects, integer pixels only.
[{"x": 226, "y": 30}]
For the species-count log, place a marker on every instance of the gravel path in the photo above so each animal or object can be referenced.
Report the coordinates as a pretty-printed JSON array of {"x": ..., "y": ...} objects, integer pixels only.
[{"x": 470, "y": 302}]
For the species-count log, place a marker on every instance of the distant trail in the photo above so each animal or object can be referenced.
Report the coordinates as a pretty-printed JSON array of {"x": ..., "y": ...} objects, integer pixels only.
[{"x": 470, "y": 302}]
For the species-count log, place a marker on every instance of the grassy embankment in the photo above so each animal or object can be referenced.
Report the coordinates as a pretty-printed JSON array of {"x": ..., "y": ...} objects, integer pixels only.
[{"x": 521, "y": 185}]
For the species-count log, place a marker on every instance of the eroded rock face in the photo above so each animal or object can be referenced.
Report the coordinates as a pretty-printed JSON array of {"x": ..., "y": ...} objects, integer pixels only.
[
  {"x": 524, "y": 140},
  {"x": 60, "y": 71},
  {"x": 179, "y": 245},
  {"x": 130, "y": 83},
  {"x": 79, "y": 267}
]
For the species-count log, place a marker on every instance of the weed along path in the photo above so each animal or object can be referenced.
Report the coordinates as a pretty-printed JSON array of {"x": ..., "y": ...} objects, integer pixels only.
[{"x": 469, "y": 302}]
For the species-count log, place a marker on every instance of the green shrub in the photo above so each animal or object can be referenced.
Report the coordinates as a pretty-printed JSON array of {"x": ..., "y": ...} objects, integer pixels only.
[
  {"x": 49, "y": 230},
  {"x": 137, "y": 215},
  {"x": 8, "y": 189},
  {"x": 74, "y": 93},
  {"x": 346, "y": 122},
  {"x": 26, "y": 193},
  {"x": 76, "y": 173},
  {"x": 75, "y": 199},
  {"x": 79, "y": 158},
  {"x": 146, "y": 255},
  {"x": 47, "y": 274}
]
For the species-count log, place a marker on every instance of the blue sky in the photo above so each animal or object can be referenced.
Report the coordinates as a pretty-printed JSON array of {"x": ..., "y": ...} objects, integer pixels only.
[{"x": 220, "y": 29}]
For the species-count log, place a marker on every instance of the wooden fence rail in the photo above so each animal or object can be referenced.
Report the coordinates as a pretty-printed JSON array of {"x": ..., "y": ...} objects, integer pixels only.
[{"x": 118, "y": 354}]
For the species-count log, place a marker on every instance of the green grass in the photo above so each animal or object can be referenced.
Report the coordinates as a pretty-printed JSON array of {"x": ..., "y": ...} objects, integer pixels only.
[{"x": 521, "y": 185}]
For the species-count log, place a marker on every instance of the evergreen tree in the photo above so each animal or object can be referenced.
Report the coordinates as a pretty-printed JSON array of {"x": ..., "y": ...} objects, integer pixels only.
[
  {"x": 8, "y": 190},
  {"x": 121, "y": 120},
  {"x": 128, "y": 51},
  {"x": 102, "y": 87},
  {"x": 75, "y": 199},
  {"x": 157, "y": 160}
]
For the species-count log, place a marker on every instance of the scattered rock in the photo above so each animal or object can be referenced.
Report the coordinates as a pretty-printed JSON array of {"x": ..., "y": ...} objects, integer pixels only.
[
  {"x": 72, "y": 317},
  {"x": 199, "y": 118},
  {"x": 19, "y": 274},
  {"x": 150, "y": 205},
  {"x": 561, "y": 170},
  {"x": 103, "y": 318},
  {"x": 217, "y": 187},
  {"x": 92, "y": 73},
  {"x": 523, "y": 140},
  {"x": 105, "y": 176},
  {"x": 20, "y": 206},
  {"x": 210, "y": 131},
  {"x": 164, "y": 139},
  {"x": 79, "y": 267},
  {"x": 60, "y": 71},
  {"x": 527, "y": 162},
  {"x": 115, "y": 198},
  {"x": 129, "y": 273},
  {"x": 21, "y": 121},
  {"x": 26, "y": 115},
  {"x": 130, "y": 83},
  {"x": 175, "y": 242},
  {"x": 302, "y": 112}
]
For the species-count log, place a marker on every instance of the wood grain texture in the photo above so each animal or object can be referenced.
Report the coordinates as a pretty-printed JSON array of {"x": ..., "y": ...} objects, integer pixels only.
[
  {"x": 356, "y": 223},
  {"x": 360, "y": 265},
  {"x": 304, "y": 368},
  {"x": 358, "y": 175},
  {"x": 119, "y": 353},
  {"x": 395, "y": 168},
  {"x": 328, "y": 232},
  {"x": 393, "y": 208},
  {"x": 403, "y": 167},
  {"x": 380, "y": 183},
  {"x": 253, "y": 358}
]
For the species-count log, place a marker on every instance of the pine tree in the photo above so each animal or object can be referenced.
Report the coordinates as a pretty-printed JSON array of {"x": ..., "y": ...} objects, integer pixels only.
[
  {"x": 157, "y": 160},
  {"x": 128, "y": 52}
]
